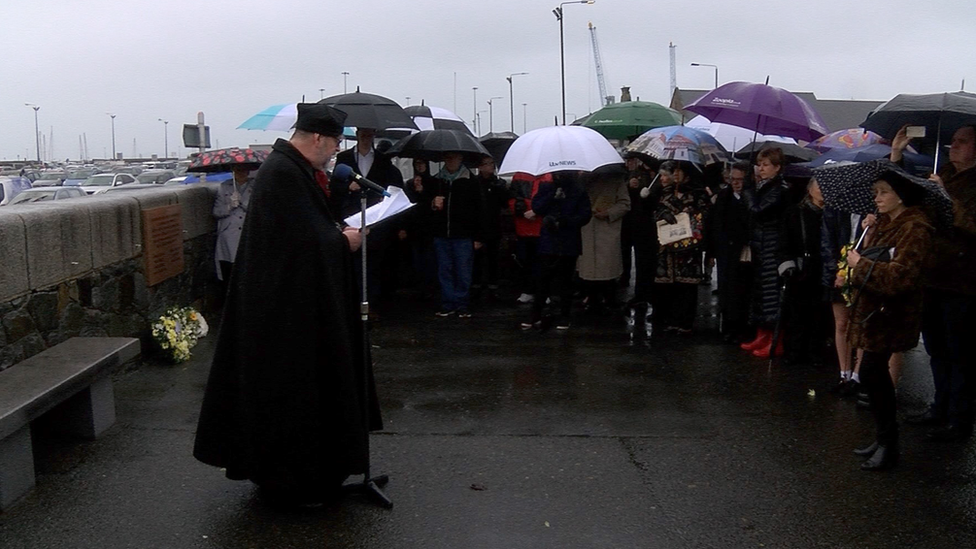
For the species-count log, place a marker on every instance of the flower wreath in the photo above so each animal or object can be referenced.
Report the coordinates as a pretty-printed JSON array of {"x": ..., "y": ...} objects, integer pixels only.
[{"x": 177, "y": 331}]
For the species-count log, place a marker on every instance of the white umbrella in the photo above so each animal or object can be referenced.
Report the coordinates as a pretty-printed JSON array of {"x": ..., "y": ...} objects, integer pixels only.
[
  {"x": 732, "y": 137},
  {"x": 559, "y": 148}
]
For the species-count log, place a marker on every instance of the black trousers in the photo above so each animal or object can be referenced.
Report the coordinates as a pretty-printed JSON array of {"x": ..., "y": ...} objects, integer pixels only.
[
  {"x": 645, "y": 255},
  {"x": 948, "y": 326},
  {"x": 486, "y": 263},
  {"x": 734, "y": 287},
  {"x": 555, "y": 278},
  {"x": 675, "y": 305},
  {"x": 880, "y": 389},
  {"x": 627, "y": 244}
]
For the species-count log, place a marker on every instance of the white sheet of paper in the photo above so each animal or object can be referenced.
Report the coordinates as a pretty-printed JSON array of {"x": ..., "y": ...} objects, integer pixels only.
[{"x": 388, "y": 207}]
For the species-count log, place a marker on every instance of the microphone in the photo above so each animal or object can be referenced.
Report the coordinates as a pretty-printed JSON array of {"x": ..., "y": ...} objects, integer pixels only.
[{"x": 343, "y": 173}]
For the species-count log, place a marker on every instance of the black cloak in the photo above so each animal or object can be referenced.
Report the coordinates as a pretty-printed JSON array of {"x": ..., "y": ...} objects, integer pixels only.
[{"x": 284, "y": 403}]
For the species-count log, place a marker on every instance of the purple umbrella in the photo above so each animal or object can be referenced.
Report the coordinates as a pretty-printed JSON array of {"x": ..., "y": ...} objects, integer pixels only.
[{"x": 760, "y": 107}]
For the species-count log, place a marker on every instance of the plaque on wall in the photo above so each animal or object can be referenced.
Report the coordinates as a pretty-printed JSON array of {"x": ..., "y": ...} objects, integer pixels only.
[{"x": 162, "y": 243}]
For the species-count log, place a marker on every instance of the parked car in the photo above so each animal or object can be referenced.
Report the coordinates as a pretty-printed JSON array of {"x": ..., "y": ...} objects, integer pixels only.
[
  {"x": 133, "y": 187},
  {"x": 50, "y": 178},
  {"x": 101, "y": 182},
  {"x": 156, "y": 176},
  {"x": 41, "y": 194},
  {"x": 179, "y": 180},
  {"x": 77, "y": 177},
  {"x": 132, "y": 170},
  {"x": 11, "y": 186}
]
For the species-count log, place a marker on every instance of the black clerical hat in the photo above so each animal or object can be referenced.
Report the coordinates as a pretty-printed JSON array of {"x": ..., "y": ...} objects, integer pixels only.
[{"x": 321, "y": 119}]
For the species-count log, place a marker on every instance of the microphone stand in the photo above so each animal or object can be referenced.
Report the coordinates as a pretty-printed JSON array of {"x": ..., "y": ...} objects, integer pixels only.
[{"x": 371, "y": 486}]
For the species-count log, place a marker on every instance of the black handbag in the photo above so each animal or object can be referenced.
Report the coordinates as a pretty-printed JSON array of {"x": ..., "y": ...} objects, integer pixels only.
[{"x": 877, "y": 254}]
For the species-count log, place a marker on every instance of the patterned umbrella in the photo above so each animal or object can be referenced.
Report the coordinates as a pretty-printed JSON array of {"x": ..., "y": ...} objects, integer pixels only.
[
  {"x": 848, "y": 188},
  {"x": 224, "y": 160},
  {"x": 761, "y": 107},
  {"x": 852, "y": 138},
  {"x": 680, "y": 143}
]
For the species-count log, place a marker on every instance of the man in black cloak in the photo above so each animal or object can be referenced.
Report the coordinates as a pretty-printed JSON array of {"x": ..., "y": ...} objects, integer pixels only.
[{"x": 284, "y": 403}]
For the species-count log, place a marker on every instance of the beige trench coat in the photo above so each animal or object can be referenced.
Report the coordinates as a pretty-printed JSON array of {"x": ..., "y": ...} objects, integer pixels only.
[{"x": 601, "y": 258}]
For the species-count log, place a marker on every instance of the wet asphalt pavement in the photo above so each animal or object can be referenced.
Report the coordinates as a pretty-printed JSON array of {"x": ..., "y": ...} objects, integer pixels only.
[{"x": 498, "y": 438}]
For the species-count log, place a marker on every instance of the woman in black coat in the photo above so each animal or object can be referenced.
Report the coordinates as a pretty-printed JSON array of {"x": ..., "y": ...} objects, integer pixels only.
[
  {"x": 767, "y": 203},
  {"x": 805, "y": 312}
]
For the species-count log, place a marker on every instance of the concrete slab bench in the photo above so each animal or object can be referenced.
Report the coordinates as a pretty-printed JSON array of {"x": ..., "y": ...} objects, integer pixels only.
[{"x": 72, "y": 381}]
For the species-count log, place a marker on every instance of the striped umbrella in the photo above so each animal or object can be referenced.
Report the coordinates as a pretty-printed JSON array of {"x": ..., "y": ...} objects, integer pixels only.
[{"x": 276, "y": 117}]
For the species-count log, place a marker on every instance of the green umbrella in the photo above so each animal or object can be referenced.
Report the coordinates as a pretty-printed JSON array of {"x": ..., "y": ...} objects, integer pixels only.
[{"x": 629, "y": 119}]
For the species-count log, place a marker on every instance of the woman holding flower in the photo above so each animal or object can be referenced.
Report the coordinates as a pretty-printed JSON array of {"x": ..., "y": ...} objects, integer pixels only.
[{"x": 887, "y": 304}]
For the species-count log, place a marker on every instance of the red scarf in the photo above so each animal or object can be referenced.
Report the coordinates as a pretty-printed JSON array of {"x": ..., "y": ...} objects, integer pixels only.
[{"x": 323, "y": 180}]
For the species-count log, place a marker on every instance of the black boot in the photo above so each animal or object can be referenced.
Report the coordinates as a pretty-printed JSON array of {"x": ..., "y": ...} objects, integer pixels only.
[
  {"x": 867, "y": 450},
  {"x": 885, "y": 457}
]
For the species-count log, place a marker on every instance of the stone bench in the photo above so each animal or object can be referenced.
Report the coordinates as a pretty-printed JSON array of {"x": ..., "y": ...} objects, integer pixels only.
[{"x": 71, "y": 380}]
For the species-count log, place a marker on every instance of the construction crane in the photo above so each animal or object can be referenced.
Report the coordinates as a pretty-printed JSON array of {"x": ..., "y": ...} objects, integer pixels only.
[{"x": 605, "y": 99}]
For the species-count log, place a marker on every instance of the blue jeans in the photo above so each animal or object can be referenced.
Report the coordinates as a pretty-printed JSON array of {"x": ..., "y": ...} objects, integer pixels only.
[{"x": 455, "y": 264}]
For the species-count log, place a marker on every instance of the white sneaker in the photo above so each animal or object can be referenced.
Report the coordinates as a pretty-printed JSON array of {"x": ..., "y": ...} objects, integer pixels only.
[{"x": 526, "y": 298}]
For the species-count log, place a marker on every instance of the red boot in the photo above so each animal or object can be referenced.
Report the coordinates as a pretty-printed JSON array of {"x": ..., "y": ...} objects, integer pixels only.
[
  {"x": 763, "y": 352},
  {"x": 762, "y": 340}
]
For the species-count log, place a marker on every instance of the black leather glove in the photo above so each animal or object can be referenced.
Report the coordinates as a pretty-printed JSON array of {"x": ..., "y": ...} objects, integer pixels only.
[
  {"x": 550, "y": 223},
  {"x": 667, "y": 217}
]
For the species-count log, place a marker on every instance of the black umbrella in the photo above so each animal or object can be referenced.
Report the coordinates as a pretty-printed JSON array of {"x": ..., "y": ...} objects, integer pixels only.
[
  {"x": 366, "y": 110},
  {"x": 848, "y": 188},
  {"x": 941, "y": 114},
  {"x": 432, "y": 145},
  {"x": 793, "y": 153},
  {"x": 498, "y": 144}
]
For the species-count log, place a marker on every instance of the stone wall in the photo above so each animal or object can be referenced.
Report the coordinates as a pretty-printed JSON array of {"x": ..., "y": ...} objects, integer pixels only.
[{"x": 75, "y": 267}]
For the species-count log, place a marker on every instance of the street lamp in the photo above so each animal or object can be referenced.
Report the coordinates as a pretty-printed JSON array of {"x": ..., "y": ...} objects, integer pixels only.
[
  {"x": 345, "y": 74},
  {"x": 491, "y": 114},
  {"x": 37, "y": 130},
  {"x": 708, "y": 65},
  {"x": 165, "y": 137},
  {"x": 474, "y": 107},
  {"x": 511, "y": 97},
  {"x": 321, "y": 93},
  {"x": 408, "y": 100},
  {"x": 558, "y": 12},
  {"x": 113, "y": 134}
]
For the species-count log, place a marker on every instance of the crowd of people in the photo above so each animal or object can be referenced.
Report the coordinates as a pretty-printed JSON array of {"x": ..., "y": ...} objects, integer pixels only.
[{"x": 796, "y": 279}]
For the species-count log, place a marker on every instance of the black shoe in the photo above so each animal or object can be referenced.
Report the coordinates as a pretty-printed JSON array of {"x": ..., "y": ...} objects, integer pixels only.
[
  {"x": 883, "y": 458},
  {"x": 867, "y": 450},
  {"x": 949, "y": 433},
  {"x": 840, "y": 387},
  {"x": 850, "y": 387},
  {"x": 926, "y": 418}
]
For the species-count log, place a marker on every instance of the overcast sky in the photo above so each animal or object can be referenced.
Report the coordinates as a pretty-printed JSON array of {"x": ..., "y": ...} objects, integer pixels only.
[{"x": 149, "y": 59}]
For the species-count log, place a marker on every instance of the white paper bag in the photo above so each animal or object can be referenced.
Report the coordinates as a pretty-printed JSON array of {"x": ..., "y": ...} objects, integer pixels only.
[{"x": 669, "y": 233}]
